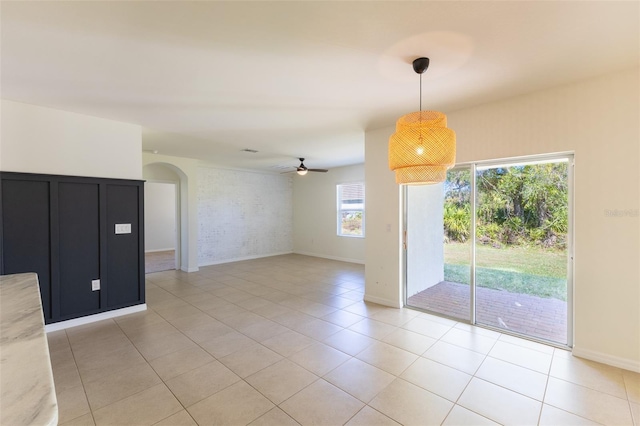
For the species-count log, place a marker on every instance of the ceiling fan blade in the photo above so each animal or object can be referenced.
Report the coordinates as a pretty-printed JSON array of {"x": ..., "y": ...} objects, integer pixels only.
[{"x": 302, "y": 169}]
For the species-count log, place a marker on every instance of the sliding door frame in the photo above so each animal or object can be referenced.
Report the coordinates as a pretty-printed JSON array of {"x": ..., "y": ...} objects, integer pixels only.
[
  {"x": 472, "y": 232},
  {"x": 473, "y": 168}
]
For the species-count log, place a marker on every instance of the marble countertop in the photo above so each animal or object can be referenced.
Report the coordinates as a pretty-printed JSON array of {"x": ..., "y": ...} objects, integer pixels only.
[{"x": 27, "y": 392}]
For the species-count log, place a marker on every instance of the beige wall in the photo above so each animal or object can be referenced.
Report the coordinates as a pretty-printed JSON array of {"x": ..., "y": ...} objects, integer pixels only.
[
  {"x": 36, "y": 139},
  {"x": 598, "y": 120},
  {"x": 315, "y": 215}
]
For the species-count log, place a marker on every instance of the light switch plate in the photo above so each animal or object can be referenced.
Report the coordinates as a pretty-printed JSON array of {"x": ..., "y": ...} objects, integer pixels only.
[
  {"x": 95, "y": 285},
  {"x": 123, "y": 228}
]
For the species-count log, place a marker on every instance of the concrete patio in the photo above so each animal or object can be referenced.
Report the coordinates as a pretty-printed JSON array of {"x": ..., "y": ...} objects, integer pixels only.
[{"x": 534, "y": 316}]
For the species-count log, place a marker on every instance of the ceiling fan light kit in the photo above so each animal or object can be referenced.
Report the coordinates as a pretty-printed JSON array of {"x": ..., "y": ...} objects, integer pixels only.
[
  {"x": 302, "y": 169},
  {"x": 423, "y": 148}
]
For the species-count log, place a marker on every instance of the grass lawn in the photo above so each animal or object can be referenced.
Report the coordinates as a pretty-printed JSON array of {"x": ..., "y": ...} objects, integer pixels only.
[{"x": 526, "y": 270}]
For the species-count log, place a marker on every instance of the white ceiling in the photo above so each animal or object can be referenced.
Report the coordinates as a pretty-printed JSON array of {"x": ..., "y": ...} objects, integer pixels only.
[{"x": 291, "y": 79}]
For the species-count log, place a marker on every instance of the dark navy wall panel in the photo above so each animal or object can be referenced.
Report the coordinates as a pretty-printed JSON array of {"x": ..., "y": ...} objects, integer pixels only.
[
  {"x": 79, "y": 242},
  {"x": 26, "y": 233},
  {"x": 122, "y": 249},
  {"x": 63, "y": 228}
]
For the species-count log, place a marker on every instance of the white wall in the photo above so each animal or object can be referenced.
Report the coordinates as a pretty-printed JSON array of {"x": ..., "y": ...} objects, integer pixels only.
[
  {"x": 157, "y": 172},
  {"x": 383, "y": 249},
  {"x": 242, "y": 215},
  {"x": 425, "y": 230},
  {"x": 598, "y": 119},
  {"x": 159, "y": 216},
  {"x": 36, "y": 139},
  {"x": 315, "y": 215}
]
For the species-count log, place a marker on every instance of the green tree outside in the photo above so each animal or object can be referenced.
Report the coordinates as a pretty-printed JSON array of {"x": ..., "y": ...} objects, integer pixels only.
[
  {"x": 517, "y": 206},
  {"x": 521, "y": 228}
]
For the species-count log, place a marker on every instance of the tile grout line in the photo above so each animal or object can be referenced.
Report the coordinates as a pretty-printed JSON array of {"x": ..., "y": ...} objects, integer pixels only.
[
  {"x": 155, "y": 372},
  {"x": 241, "y": 378},
  {"x": 81, "y": 380}
]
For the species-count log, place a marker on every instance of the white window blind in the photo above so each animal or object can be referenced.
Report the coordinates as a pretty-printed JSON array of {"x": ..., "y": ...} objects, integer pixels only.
[{"x": 350, "y": 205}]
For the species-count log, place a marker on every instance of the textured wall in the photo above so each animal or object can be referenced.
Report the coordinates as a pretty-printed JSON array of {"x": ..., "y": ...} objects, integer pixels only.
[{"x": 243, "y": 215}]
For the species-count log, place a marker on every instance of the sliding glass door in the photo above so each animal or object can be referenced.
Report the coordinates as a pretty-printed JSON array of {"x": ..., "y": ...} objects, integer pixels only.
[{"x": 492, "y": 245}]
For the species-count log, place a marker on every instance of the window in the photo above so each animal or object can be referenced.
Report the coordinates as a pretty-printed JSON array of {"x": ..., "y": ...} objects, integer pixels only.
[{"x": 351, "y": 210}]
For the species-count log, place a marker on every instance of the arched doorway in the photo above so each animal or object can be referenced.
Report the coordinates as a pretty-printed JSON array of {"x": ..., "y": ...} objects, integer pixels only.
[{"x": 164, "y": 181}]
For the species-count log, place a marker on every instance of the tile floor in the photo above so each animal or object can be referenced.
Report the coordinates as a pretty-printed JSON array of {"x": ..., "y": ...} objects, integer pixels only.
[
  {"x": 157, "y": 261},
  {"x": 288, "y": 340}
]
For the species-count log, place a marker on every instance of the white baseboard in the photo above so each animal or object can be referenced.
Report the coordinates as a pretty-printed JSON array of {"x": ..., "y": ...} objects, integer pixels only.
[
  {"x": 381, "y": 301},
  {"x": 324, "y": 256},
  {"x": 239, "y": 259},
  {"x": 615, "y": 361},
  {"x": 94, "y": 318},
  {"x": 185, "y": 269},
  {"x": 156, "y": 250}
]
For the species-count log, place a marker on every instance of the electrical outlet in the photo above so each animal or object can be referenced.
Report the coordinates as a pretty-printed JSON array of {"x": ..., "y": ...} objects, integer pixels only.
[{"x": 95, "y": 285}]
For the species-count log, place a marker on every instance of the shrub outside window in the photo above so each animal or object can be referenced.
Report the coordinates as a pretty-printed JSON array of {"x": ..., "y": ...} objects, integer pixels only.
[{"x": 351, "y": 210}]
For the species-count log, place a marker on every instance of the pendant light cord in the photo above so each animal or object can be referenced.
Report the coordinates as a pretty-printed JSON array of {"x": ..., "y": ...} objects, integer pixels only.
[
  {"x": 421, "y": 93},
  {"x": 420, "y": 127}
]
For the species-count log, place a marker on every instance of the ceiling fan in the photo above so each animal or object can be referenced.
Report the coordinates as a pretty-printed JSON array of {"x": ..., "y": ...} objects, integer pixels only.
[{"x": 302, "y": 169}]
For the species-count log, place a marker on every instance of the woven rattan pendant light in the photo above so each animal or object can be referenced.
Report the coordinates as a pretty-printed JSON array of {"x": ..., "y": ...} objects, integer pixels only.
[{"x": 422, "y": 149}]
